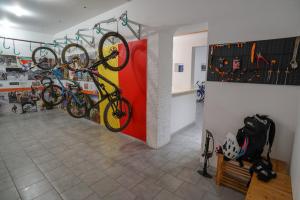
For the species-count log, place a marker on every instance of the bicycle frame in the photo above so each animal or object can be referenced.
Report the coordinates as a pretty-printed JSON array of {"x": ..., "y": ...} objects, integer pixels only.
[
  {"x": 104, "y": 94},
  {"x": 65, "y": 91}
]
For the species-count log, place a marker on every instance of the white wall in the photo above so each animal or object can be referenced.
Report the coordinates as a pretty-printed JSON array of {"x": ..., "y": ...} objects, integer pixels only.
[
  {"x": 183, "y": 54},
  {"x": 200, "y": 58},
  {"x": 227, "y": 104},
  {"x": 22, "y": 47},
  {"x": 183, "y": 111},
  {"x": 228, "y": 20},
  {"x": 295, "y": 163}
]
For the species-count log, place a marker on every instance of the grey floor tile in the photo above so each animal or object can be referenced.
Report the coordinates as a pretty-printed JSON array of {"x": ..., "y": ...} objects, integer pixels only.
[
  {"x": 78, "y": 192},
  {"x": 29, "y": 179},
  {"x": 105, "y": 186},
  {"x": 6, "y": 183},
  {"x": 166, "y": 195},
  {"x": 65, "y": 183},
  {"x": 189, "y": 175},
  {"x": 23, "y": 170},
  {"x": 44, "y": 158},
  {"x": 35, "y": 190},
  {"x": 172, "y": 168},
  {"x": 50, "y": 195},
  {"x": 3, "y": 173},
  {"x": 146, "y": 190},
  {"x": 120, "y": 194},
  {"x": 153, "y": 172},
  {"x": 169, "y": 182},
  {"x": 92, "y": 176},
  {"x": 58, "y": 173},
  {"x": 190, "y": 192},
  {"x": 116, "y": 171},
  {"x": 230, "y": 194},
  {"x": 9, "y": 194},
  {"x": 129, "y": 180},
  {"x": 210, "y": 196},
  {"x": 50, "y": 165},
  {"x": 93, "y": 197},
  {"x": 83, "y": 167}
]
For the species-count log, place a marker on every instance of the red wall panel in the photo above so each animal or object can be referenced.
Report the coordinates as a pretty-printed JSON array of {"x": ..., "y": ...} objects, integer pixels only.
[{"x": 133, "y": 84}]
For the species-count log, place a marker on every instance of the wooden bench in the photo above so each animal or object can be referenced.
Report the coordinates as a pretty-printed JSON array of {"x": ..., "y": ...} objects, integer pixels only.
[
  {"x": 230, "y": 174},
  {"x": 277, "y": 189}
]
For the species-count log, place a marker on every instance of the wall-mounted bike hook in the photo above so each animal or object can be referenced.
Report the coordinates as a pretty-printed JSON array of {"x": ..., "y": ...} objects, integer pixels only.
[
  {"x": 4, "y": 46},
  {"x": 124, "y": 18},
  {"x": 69, "y": 40},
  {"x": 134, "y": 27},
  {"x": 15, "y": 51},
  {"x": 89, "y": 39},
  {"x": 30, "y": 47}
]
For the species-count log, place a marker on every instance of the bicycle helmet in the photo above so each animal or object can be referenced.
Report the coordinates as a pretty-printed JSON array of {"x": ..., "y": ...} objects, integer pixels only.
[{"x": 231, "y": 148}]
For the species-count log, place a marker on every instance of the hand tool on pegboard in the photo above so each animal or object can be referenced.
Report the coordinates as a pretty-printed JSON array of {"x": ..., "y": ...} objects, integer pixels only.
[
  {"x": 253, "y": 52},
  {"x": 277, "y": 74},
  {"x": 260, "y": 58},
  {"x": 270, "y": 71},
  {"x": 211, "y": 59},
  {"x": 240, "y": 45},
  {"x": 286, "y": 75},
  {"x": 293, "y": 62}
]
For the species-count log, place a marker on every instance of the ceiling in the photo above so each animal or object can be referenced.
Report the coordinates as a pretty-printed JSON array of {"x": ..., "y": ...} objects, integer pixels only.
[{"x": 51, "y": 16}]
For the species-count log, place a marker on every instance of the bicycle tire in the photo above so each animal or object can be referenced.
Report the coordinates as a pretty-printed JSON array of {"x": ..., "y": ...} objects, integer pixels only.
[
  {"x": 52, "y": 103},
  {"x": 70, "y": 110},
  {"x": 122, "y": 126},
  {"x": 101, "y": 53},
  {"x": 64, "y": 51},
  {"x": 25, "y": 108},
  {"x": 40, "y": 66}
]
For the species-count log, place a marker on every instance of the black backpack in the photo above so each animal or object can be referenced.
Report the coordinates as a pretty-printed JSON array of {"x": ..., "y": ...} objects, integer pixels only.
[{"x": 260, "y": 131}]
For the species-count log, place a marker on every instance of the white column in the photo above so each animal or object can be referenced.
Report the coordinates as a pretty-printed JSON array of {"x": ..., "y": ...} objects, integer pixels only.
[{"x": 159, "y": 85}]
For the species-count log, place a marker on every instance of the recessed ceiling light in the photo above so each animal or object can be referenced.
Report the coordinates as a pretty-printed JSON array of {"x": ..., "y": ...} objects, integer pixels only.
[
  {"x": 17, "y": 10},
  {"x": 7, "y": 23}
]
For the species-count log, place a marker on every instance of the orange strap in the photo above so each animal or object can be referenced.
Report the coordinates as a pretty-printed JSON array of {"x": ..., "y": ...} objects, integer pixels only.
[{"x": 253, "y": 52}]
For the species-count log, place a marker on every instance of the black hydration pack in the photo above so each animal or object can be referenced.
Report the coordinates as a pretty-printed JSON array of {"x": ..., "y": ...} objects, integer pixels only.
[{"x": 260, "y": 131}]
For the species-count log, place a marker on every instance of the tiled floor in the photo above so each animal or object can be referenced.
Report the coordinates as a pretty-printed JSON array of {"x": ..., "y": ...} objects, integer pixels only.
[{"x": 51, "y": 156}]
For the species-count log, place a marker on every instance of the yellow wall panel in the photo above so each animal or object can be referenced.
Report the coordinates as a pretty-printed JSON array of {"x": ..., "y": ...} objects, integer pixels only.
[{"x": 113, "y": 77}]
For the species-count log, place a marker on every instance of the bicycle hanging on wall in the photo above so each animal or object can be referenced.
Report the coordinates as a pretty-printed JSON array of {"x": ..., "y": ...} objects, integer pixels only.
[{"x": 118, "y": 107}]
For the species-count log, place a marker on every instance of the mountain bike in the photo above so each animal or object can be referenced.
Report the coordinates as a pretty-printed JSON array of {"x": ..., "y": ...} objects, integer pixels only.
[
  {"x": 52, "y": 94},
  {"x": 118, "y": 111}
]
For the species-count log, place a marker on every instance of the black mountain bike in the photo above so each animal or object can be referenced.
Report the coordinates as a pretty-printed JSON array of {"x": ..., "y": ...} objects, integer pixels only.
[{"x": 118, "y": 112}]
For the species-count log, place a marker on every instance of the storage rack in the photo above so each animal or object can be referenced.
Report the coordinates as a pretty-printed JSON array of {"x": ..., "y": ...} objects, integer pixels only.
[{"x": 86, "y": 35}]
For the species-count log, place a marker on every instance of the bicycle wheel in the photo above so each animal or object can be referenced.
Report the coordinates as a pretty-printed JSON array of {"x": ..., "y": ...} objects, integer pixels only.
[
  {"x": 117, "y": 114},
  {"x": 44, "y": 58},
  {"x": 75, "y": 57},
  {"x": 52, "y": 95},
  {"x": 27, "y": 107},
  {"x": 77, "y": 106},
  {"x": 111, "y": 45}
]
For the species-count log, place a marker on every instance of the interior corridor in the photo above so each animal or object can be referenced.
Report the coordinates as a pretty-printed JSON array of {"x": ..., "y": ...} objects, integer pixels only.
[{"x": 52, "y": 156}]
